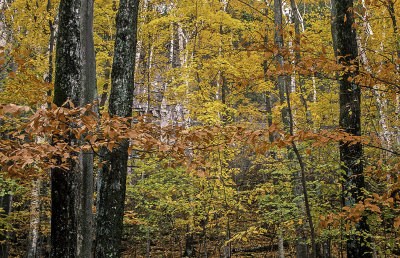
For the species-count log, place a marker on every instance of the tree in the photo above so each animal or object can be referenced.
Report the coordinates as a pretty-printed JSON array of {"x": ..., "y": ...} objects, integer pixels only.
[
  {"x": 5, "y": 205},
  {"x": 66, "y": 87},
  {"x": 112, "y": 175},
  {"x": 87, "y": 96},
  {"x": 345, "y": 47},
  {"x": 75, "y": 80},
  {"x": 227, "y": 183}
]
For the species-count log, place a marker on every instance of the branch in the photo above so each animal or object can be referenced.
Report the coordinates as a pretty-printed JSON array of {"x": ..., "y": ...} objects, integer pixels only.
[{"x": 384, "y": 149}]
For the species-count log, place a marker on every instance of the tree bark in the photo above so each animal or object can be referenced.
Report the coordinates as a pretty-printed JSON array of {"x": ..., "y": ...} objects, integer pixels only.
[
  {"x": 268, "y": 94},
  {"x": 33, "y": 251},
  {"x": 104, "y": 95},
  {"x": 278, "y": 40},
  {"x": 350, "y": 121},
  {"x": 189, "y": 243},
  {"x": 227, "y": 247},
  {"x": 5, "y": 205},
  {"x": 66, "y": 87},
  {"x": 281, "y": 248},
  {"x": 87, "y": 96},
  {"x": 68, "y": 59},
  {"x": 112, "y": 175},
  {"x": 297, "y": 19},
  {"x": 385, "y": 135},
  {"x": 390, "y": 7}
]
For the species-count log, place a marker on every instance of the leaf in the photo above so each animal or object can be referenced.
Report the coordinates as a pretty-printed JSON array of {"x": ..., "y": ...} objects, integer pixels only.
[
  {"x": 14, "y": 109},
  {"x": 110, "y": 147},
  {"x": 375, "y": 208},
  {"x": 11, "y": 75},
  {"x": 396, "y": 223}
]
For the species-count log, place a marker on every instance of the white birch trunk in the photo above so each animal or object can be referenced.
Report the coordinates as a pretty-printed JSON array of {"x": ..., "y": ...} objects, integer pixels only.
[
  {"x": 385, "y": 135},
  {"x": 34, "y": 223}
]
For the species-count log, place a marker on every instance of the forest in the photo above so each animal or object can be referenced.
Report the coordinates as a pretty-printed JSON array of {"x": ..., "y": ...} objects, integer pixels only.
[{"x": 199, "y": 128}]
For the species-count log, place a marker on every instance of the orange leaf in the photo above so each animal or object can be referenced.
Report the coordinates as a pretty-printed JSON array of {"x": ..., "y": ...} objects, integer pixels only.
[
  {"x": 375, "y": 208},
  {"x": 11, "y": 75},
  {"x": 396, "y": 223}
]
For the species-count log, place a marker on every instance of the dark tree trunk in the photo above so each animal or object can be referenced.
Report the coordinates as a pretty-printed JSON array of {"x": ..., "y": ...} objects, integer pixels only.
[
  {"x": 5, "y": 205},
  {"x": 227, "y": 247},
  {"x": 88, "y": 95},
  {"x": 112, "y": 175},
  {"x": 88, "y": 79},
  {"x": 68, "y": 60},
  {"x": 66, "y": 87},
  {"x": 189, "y": 245},
  {"x": 268, "y": 94},
  {"x": 344, "y": 36},
  {"x": 392, "y": 13}
]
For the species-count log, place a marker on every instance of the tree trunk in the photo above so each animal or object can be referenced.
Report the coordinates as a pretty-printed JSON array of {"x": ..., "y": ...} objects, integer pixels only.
[
  {"x": 148, "y": 244},
  {"x": 104, "y": 95},
  {"x": 49, "y": 75},
  {"x": 33, "y": 238},
  {"x": 66, "y": 87},
  {"x": 205, "y": 240},
  {"x": 281, "y": 249},
  {"x": 278, "y": 40},
  {"x": 390, "y": 7},
  {"x": 189, "y": 243},
  {"x": 68, "y": 59},
  {"x": 227, "y": 247},
  {"x": 88, "y": 95},
  {"x": 283, "y": 83},
  {"x": 297, "y": 19},
  {"x": 350, "y": 121},
  {"x": 88, "y": 79},
  {"x": 385, "y": 135},
  {"x": 112, "y": 176},
  {"x": 5, "y": 205},
  {"x": 268, "y": 94}
]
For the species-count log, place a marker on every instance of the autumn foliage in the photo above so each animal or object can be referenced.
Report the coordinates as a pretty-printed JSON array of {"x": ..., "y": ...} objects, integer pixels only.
[{"x": 213, "y": 168}]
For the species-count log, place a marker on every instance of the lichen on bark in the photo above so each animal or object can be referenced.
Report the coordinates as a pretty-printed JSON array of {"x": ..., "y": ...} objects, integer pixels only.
[{"x": 109, "y": 220}]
